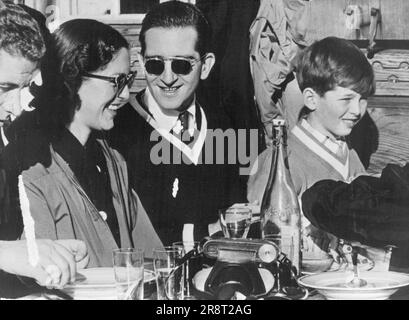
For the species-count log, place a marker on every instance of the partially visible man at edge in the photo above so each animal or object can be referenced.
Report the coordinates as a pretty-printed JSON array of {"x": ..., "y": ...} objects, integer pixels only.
[{"x": 21, "y": 49}]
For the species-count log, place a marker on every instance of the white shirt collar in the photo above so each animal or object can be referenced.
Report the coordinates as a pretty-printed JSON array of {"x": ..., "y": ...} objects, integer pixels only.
[
  {"x": 192, "y": 152},
  {"x": 165, "y": 121},
  {"x": 317, "y": 147},
  {"x": 26, "y": 97},
  {"x": 3, "y": 137},
  {"x": 332, "y": 145}
]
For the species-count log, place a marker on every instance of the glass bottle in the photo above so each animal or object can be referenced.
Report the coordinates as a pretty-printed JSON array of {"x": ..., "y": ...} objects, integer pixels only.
[{"x": 280, "y": 213}]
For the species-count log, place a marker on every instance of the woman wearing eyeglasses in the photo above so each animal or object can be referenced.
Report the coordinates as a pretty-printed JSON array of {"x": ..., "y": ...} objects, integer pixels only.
[{"x": 83, "y": 193}]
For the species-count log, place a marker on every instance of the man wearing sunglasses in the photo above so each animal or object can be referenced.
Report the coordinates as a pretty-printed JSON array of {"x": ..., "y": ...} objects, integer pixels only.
[{"x": 180, "y": 197}]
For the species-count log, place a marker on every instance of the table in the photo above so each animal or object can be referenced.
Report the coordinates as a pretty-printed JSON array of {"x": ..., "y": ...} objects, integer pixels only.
[
  {"x": 150, "y": 294},
  {"x": 401, "y": 294}
]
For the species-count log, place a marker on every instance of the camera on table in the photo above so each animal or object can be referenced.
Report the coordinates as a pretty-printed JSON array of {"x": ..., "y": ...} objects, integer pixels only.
[{"x": 248, "y": 267}]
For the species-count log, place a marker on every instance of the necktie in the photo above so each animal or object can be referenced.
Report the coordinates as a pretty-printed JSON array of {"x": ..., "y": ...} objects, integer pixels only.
[{"x": 184, "y": 120}]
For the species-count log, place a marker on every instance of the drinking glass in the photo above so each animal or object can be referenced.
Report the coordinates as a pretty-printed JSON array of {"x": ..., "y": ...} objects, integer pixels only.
[
  {"x": 190, "y": 267},
  {"x": 128, "y": 269},
  {"x": 169, "y": 275},
  {"x": 235, "y": 222}
]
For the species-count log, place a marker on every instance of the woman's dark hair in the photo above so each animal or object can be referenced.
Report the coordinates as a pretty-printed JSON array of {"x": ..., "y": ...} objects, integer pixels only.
[
  {"x": 177, "y": 14},
  {"x": 78, "y": 46}
]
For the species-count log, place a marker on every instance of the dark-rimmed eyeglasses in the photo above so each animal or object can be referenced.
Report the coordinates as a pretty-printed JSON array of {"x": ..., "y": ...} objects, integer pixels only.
[
  {"x": 179, "y": 65},
  {"x": 119, "y": 81}
]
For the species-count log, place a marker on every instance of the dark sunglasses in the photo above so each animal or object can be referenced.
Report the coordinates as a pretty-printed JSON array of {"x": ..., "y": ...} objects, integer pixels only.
[
  {"x": 119, "y": 81},
  {"x": 180, "y": 65}
]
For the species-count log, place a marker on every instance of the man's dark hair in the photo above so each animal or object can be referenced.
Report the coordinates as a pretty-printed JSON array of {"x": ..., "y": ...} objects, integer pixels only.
[
  {"x": 20, "y": 34},
  {"x": 176, "y": 14},
  {"x": 333, "y": 62}
]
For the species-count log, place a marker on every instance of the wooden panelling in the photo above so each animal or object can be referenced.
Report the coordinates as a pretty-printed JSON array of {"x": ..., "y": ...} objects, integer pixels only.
[
  {"x": 328, "y": 19},
  {"x": 391, "y": 69},
  {"x": 138, "y": 85},
  {"x": 131, "y": 33},
  {"x": 392, "y": 89},
  {"x": 395, "y": 19},
  {"x": 96, "y": 7},
  {"x": 391, "y": 117}
]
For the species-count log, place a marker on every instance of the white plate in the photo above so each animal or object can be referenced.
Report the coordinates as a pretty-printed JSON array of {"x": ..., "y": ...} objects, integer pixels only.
[
  {"x": 101, "y": 278},
  {"x": 381, "y": 285}
]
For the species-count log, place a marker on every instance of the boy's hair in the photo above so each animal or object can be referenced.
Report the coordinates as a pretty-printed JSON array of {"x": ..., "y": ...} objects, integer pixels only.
[
  {"x": 176, "y": 14},
  {"x": 333, "y": 62},
  {"x": 20, "y": 34}
]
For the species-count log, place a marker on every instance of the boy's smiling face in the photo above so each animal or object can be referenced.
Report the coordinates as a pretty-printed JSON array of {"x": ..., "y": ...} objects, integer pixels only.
[{"x": 336, "y": 112}]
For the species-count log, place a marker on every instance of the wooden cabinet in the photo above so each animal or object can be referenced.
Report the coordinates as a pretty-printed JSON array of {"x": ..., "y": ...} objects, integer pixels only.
[{"x": 391, "y": 69}]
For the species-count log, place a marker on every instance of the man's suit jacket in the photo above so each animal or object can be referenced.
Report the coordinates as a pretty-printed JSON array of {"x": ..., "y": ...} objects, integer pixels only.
[{"x": 10, "y": 285}]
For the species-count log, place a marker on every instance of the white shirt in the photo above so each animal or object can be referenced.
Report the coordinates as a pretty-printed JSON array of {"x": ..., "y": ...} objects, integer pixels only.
[
  {"x": 337, "y": 146},
  {"x": 169, "y": 122},
  {"x": 3, "y": 137},
  {"x": 26, "y": 97}
]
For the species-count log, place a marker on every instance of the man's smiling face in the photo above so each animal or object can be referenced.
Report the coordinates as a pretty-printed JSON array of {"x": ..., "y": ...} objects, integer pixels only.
[
  {"x": 16, "y": 73},
  {"x": 170, "y": 90}
]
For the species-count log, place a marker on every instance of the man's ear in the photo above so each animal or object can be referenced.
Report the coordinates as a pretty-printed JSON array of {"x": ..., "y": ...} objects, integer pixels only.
[
  {"x": 140, "y": 61},
  {"x": 208, "y": 63},
  {"x": 310, "y": 98}
]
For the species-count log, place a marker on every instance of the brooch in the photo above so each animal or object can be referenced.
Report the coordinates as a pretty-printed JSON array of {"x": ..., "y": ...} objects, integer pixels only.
[
  {"x": 175, "y": 189},
  {"x": 103, "y": 215}
]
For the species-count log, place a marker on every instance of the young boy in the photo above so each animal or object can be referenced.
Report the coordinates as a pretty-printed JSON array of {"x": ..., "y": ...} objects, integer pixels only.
[{"x": 336, "y": 79}]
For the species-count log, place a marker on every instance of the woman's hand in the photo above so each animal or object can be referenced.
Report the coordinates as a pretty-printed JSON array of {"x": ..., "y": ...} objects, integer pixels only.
[{"x": 58, "y": 262}]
